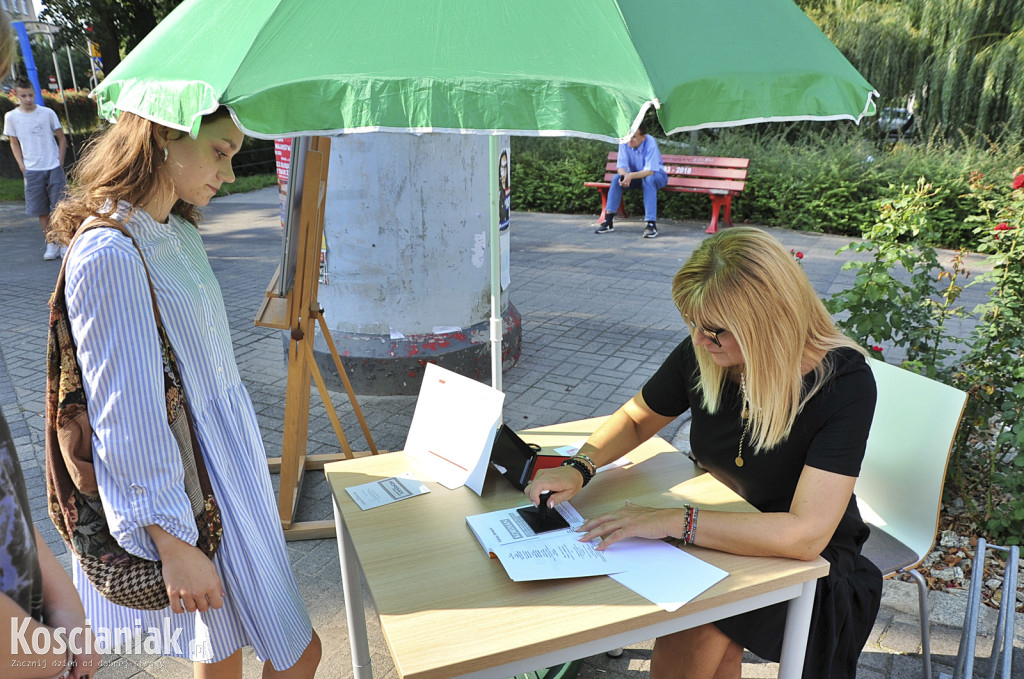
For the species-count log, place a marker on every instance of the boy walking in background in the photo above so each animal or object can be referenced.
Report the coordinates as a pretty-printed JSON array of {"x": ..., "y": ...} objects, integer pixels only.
[{"x": 38, "y": 145}]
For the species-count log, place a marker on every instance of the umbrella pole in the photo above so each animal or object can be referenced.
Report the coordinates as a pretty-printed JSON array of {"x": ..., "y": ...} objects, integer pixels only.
[{"x": 495, "y": 247}]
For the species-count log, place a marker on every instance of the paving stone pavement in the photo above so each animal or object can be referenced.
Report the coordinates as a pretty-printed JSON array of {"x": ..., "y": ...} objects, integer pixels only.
[{"x": 597, "y": 321}]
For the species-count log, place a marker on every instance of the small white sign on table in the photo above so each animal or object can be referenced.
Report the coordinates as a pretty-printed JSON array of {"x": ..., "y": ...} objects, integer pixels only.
[
  {"x": 453, "y": 428},
  {"x": 386, "y": 491}
]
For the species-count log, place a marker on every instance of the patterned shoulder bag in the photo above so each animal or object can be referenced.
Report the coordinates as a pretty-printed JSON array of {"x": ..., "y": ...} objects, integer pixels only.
[{"x": 72, "y": 492}]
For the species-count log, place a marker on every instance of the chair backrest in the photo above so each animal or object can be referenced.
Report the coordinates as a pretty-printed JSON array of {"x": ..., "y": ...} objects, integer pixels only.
[{"x": 900, "y": 484}]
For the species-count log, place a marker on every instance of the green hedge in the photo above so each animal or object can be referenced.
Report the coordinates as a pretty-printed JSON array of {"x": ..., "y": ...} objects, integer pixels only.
[{"x": 810, "y": 177}]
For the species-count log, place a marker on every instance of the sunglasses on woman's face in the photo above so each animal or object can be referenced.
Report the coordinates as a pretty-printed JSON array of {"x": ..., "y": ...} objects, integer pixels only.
[{"x": 712, "y": 335}]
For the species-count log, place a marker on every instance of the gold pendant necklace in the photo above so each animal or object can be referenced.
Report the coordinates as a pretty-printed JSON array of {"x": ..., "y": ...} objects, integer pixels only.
[{"x": 745, "y": 414}]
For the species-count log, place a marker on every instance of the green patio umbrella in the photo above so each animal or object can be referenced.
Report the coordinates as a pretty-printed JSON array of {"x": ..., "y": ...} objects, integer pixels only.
[{"x": 586, "y": 68}]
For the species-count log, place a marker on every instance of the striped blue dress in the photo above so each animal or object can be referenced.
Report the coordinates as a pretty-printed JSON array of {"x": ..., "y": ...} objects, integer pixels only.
[{"x": 138, "y": 466}]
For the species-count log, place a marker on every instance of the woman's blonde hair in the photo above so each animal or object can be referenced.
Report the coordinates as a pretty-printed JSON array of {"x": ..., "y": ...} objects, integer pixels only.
[
  {"x": 744, "y": 281},
  {"x": 123, "y": 162}
]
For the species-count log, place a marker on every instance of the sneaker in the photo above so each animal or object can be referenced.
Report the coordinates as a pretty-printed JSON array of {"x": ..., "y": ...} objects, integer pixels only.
[
  {"x": 63, "y": 251},
  {"x": 604, "y": 227},
  {"x": 651, "y": 231},
  {"x": 52, "y": 252}
]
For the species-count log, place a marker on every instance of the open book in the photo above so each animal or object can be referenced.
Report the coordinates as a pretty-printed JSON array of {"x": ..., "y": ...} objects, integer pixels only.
[
  {"x": 654, "y": 569},
  {"x": 527, "y": 555},
  {"x": 506, "y": 526}
]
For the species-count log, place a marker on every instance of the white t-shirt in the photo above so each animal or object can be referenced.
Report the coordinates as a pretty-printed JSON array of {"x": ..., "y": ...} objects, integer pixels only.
[{"x": 35, "y": 134}]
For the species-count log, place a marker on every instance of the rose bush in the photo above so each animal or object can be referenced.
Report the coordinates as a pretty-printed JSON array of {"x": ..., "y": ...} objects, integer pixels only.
[{"x": 882, "y": 308}]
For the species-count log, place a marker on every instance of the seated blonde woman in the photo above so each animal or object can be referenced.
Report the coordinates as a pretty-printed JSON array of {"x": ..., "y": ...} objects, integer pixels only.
[{"x": 781, "y": 405}]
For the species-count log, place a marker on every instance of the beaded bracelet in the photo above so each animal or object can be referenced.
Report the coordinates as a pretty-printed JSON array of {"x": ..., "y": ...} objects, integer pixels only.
[
  {"x": 579, "y": 466},
  {"x": 690, "y": 529},
  {"x": 586, "y": 460}
]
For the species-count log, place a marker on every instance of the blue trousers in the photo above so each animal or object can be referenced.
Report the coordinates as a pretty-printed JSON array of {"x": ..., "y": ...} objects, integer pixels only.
[{"x": 649, "y": 184}]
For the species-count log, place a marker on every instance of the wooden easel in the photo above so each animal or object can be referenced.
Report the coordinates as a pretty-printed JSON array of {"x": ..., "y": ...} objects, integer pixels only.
[{"x": 299, "y": 312}]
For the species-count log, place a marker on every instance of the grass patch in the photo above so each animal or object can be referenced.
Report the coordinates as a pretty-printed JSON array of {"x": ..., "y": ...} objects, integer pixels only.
[
  {"x": 247, "y": 184},
  {"x": 12, "y": 189}
]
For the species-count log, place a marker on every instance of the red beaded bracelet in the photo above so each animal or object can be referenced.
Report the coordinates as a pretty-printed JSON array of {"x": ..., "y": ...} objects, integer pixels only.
[{"x": 690, "y": 528}]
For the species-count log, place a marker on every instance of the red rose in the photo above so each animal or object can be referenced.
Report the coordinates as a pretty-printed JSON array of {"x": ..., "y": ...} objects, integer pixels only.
[
  {"x": 1003, "y": 226},
  {"x": 799, "y": 255},
  {"x": 875, "y": 347},
  {"x": 1018, "y": 181}
]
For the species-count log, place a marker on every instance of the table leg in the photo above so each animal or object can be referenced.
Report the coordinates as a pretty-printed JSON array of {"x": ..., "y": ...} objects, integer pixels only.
[
  {"x": 798, "y": 625},
  {"x": 353, "y": 589}
]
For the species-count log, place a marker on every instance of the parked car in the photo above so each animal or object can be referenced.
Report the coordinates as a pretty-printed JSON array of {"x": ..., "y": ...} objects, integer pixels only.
[{"x": 896, "y": 123}]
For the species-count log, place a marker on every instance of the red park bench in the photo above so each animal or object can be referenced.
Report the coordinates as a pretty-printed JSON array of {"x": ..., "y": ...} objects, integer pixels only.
[{"x": 720, "y": 178}]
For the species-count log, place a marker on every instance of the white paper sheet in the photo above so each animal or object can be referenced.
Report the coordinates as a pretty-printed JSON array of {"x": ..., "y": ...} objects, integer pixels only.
[
  {"x": 453, "y": 428},
  {"x": 572, "y": 449},
  {"x": 660, "y": 572},
  {"x": 561, "y": 555},
  {"x": 386, "y": 491}
]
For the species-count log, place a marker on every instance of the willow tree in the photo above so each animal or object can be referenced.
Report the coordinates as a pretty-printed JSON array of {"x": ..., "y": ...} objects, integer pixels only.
[{"x": 961, "y": 62}]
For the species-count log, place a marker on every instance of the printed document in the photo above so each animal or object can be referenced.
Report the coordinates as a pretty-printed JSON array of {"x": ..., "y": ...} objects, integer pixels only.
[
  {"x": 386, "y": 491},
  {"x": 506, "y": 526},
  {"x": 656, "y": 570},
  {"x": 554, "y": 555}
]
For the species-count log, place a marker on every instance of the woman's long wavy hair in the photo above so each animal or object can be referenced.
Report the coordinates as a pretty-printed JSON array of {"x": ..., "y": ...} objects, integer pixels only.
[
  {"x": 743, "y": 280},
  {"x": 124, "y": 162}
]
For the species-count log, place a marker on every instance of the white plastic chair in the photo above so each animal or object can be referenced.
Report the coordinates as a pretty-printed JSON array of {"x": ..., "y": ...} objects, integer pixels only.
[{"x": 900, "y": 486}]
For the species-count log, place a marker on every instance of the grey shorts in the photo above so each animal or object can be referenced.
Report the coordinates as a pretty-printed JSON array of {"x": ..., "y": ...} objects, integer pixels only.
[{"x": 43, "y": 190}]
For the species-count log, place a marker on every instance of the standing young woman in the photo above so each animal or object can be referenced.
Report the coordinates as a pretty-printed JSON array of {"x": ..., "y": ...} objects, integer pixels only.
[
  {"x": 781, "y": 405},
  {"x": 153, "y": 179}
]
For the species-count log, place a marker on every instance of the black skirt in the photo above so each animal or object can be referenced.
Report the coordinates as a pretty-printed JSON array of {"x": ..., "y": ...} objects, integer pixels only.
[{"x": 845, "y": 605}]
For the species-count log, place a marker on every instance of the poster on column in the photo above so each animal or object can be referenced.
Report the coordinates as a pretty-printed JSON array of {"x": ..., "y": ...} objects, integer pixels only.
[
  {"x": 504, "y": 210},
  {"x": 282, "y": 160}
]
